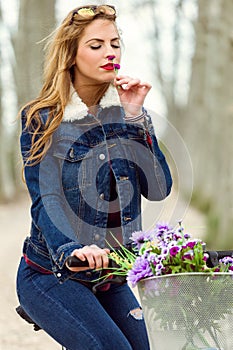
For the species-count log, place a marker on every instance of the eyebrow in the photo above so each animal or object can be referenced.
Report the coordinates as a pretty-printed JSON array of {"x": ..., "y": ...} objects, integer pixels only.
[{"x": 101, "y": 40}]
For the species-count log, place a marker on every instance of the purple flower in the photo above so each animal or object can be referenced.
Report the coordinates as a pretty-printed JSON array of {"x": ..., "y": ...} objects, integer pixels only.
[
  {"x": 174, "y": 250},
  {"x": 117, "y": 66},
  {"x": 140, "y": 269},
  {"x": 163, "y": 227},
  {"x": 152, "y": 258},
  {"x": 164, "y": 251},
  {"x": 191, "y": 244},
  {"x": 216, "y": 269},
  {"x": 177, "y": 236},
  {"x": 187, "y": 256},
  {"x": 161, "y": 257},
  {"x": 159, "y": 269},
  {"x": 139, "y": 237},
  {"x": 226, "y": 260},
  {"x": 162, "y": 230}
]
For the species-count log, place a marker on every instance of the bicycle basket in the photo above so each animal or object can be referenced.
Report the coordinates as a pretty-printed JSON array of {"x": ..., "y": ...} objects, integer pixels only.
[{"x": 188, "y": 311}]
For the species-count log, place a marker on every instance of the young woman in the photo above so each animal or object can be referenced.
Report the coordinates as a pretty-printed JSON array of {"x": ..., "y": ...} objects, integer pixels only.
[{"x": 89, "y": 152}]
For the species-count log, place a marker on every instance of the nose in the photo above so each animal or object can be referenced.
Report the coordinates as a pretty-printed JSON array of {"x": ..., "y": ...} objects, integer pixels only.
[{"x": 111, "y": 57}]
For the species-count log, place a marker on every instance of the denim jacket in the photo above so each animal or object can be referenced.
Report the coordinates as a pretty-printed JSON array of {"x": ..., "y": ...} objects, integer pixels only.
[{"x": 70, "y": 187}]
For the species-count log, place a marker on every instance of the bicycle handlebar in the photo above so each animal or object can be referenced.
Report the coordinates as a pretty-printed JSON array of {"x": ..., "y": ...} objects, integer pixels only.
[
  {"x": 214, "y": 256},
  {"x": 73, "y": 261}
]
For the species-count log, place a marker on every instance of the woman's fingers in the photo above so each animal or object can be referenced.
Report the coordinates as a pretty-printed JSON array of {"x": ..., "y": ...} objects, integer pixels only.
[
  {"x": 127, "y": 83},
  {"x": 96, "y": 257},
  {"x": 100, "y": 257},
  {"x": 105, "y": 260},
  {"x": 132, "y": 93}
]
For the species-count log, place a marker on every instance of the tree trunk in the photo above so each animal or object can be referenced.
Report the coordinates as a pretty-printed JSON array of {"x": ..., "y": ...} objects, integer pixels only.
[
  {"x": 209, "y": 117},
  {"x": 6, "y": 176},
  {"x": 36, "y": 20}
]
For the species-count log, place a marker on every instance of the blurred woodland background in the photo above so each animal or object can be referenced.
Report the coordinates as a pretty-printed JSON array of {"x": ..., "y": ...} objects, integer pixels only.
[{"x": 186, "y": 47}]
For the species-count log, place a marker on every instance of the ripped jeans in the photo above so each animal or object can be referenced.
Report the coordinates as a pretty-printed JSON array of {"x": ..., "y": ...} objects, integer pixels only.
[{"x": 79, "y": 320}]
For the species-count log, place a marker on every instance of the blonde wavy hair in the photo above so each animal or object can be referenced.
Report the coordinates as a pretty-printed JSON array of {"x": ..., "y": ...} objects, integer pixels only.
[{"x": 61, "y": 49}]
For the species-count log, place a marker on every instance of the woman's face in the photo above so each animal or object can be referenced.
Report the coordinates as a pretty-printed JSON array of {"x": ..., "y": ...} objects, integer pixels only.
[{"x": 93, "y": 61}]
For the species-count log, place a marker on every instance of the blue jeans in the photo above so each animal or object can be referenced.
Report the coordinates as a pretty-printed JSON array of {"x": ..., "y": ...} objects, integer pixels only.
[{"x": 76, "y": 318}]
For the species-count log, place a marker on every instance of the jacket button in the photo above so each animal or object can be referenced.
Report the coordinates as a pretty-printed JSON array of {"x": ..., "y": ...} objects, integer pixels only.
[
  {"x": 102, "y": 196},
  {"x": 124, "y": 178},
  {"x": 71, "y": 153},
  {"x": 88, "y": 274},
  {"x": 97, "y": 237},
  {"x": 141, "y": 132},
  {"x": 102, "y": 156}
]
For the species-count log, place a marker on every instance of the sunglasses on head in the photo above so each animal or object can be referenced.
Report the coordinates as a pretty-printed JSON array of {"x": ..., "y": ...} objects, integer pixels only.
[{"x": 88, "y": 12}]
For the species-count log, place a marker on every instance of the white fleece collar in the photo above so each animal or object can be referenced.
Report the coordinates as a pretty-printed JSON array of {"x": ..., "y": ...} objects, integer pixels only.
[{"x": 76, "y": 108}]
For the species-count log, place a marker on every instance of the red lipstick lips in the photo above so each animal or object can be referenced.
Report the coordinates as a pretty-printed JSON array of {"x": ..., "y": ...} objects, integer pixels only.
[{"x": 108, "y": 66}]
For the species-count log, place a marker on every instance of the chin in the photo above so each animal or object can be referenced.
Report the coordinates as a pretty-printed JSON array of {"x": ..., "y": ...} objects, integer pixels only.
[{"x": 107, "y": 78}]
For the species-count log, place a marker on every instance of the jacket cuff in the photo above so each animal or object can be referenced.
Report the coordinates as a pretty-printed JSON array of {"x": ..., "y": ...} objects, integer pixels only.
[{"x": 64, "y": 251}]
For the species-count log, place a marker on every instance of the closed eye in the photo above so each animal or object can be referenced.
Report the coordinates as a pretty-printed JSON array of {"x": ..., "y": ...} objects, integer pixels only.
[
  {"x": 115, "y": 46},
  {"x": 95, "y": 47}
]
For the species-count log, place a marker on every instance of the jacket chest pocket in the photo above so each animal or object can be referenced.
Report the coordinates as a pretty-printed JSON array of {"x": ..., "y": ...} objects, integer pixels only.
[{"x": 76, "y": 164}]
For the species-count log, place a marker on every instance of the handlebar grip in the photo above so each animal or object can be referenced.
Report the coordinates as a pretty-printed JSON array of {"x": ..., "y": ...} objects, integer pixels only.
[
  {"x": 223, "y": 253},
  {"x": 73, "y": 261}
]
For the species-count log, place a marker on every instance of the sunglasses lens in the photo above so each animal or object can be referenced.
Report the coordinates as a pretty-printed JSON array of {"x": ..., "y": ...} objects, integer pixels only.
[{"x": 86, "y": 12}]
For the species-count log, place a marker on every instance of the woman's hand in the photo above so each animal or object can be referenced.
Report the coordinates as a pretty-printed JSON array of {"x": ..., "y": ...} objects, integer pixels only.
[
  {"x": 97, "y": 258},
  {"x": 132, "y": 93}
]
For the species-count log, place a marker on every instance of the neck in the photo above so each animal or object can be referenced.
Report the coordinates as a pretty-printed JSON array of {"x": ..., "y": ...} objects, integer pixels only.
[{"x": 91, "y": 94}]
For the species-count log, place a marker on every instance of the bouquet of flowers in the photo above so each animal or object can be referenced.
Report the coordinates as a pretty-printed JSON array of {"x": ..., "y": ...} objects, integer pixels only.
[
  {"x": 162, "y": 251},
  {"x": 184, "y": 301}
]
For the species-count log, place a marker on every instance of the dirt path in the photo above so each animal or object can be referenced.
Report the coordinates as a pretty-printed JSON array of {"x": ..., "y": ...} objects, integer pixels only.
[{"x": 15, "y": 334}]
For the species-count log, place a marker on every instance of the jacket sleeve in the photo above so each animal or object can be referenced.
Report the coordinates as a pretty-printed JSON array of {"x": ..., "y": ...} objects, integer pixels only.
[
  {"x": 154, "y": 174},
  {"x": 48, "y": 210}
]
